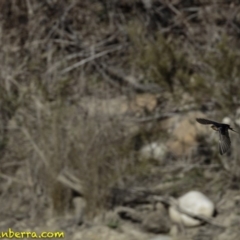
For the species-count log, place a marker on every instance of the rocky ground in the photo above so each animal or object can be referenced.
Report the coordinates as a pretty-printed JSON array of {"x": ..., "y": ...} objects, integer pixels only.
[
  {"x": 98, "y": 108},
  {"x": 136, "y": 211}
]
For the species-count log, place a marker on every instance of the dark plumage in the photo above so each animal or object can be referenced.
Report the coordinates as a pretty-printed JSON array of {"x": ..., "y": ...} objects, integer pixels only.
[{"x": 222, "y": 128}]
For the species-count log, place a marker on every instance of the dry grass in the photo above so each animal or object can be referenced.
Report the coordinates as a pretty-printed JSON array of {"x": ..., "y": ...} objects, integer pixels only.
[{"x": 48, "y": 53}]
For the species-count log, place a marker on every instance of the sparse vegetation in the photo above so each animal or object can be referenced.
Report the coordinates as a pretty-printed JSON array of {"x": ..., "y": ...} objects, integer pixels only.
[{"x": 50, "y": 74}]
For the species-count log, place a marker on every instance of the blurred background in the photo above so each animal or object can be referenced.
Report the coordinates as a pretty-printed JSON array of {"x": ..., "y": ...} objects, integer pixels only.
[{"x": 98, "y": 100}]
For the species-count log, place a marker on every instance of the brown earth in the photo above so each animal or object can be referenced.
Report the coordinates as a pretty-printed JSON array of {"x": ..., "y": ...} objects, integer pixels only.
[{"x": 98, "y": 101}]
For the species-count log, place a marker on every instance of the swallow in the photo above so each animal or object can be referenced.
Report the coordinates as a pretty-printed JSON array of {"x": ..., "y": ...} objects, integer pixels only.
[{"x": 222, "y": 129}]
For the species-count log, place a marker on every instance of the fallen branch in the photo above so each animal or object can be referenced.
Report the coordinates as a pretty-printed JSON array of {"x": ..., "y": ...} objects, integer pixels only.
[
  {"x": 69, "y": 180},
  {"x": 121, "y": 79},
  {"x": 89, "y": 59}
]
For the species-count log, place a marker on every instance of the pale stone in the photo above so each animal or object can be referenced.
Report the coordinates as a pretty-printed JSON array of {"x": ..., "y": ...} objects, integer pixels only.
[
  {"x": 195, "y": 203},
  {"x": 154, "y": 151}
]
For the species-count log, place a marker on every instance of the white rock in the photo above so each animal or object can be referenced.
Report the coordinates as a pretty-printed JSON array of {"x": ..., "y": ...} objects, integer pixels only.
[
  {"x": 153, "y": 150},
  {"x": 193, "y": 202}
]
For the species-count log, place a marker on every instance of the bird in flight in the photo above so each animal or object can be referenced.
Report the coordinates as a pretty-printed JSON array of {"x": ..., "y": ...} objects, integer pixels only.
[{"x": 222, "y": 129}]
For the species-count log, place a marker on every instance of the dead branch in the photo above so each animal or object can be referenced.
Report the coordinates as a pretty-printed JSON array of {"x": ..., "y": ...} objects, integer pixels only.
[
  {"x": 69, "y": 180},
  {"x": 122, "y": 79},
  {"x": 89, "y": 59}
]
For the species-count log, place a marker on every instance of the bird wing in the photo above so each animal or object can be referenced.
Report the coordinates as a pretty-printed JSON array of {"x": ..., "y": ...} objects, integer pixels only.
[
  {"x": 206, "y": 121},
  {"x": 224, "y": 141}
]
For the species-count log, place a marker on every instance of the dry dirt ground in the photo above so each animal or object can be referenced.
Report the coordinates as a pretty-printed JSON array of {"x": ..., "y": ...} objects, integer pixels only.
[
  {"x": 134, "y": 214},
  {"x": 98, "y": 101}
]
